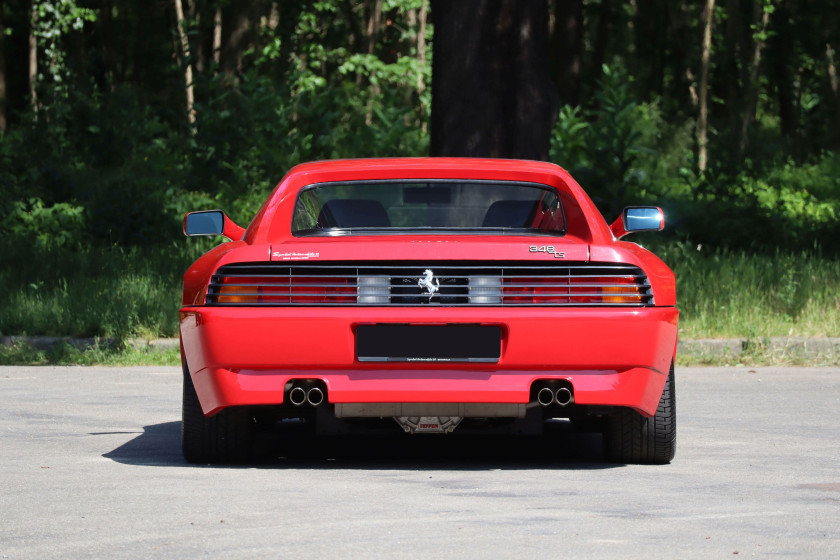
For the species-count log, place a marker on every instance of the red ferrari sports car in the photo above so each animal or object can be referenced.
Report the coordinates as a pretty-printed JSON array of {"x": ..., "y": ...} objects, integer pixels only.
[{"x": 428, "y": 295}]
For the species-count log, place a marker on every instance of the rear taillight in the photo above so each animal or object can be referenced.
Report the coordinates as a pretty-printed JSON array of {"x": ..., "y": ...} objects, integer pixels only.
[
  {"x": 322, "y": 290},
  {"x": 279, "y": 290},
  {"x": 606, "y": 289},
  {"x": 536, "y": 290},
  {"x": 576, "y": 290},
  {"x": 514, "y": 284},
  {"x": 238, "y": 290}
]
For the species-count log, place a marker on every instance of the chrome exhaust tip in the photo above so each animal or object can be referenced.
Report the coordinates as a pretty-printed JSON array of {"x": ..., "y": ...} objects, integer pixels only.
[
  {"x": 563, "y": 396},
  {"x": 315, "y": 396},
  {"x": 545, "y": 396},
  {"x": 297, "y": 396}
]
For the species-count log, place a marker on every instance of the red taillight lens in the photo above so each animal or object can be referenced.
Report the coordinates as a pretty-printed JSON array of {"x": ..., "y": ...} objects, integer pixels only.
[
  {"x": 322, "y": 290},
  {"x": 517, "y": 290},
  {"x": 535, "y": 290},
  {"x": 274, "y": 290}
]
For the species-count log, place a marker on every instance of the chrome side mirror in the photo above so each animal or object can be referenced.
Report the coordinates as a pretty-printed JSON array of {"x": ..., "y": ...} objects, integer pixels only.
[
  {"x": 638, "y": 218},
  {"x": 208, "y": 222},
  {"x": 642, "y": 218}
]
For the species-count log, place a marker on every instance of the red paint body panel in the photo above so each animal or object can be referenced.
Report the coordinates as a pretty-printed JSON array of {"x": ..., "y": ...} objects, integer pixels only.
[
  {"x": 272, "y": 223},
  {"x": 611, "y": 356},
  {"x": 638, "y": 388},
  {"x": 245, "y": 355}
]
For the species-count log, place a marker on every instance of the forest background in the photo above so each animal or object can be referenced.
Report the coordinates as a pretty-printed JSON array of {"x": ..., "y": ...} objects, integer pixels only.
[{"x": 118, "y": 116}]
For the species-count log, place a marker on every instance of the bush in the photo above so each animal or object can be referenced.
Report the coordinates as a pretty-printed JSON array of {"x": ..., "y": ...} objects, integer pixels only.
[
  {"x": 33, "y": 223},
  {"x": 787, "y": 206},
  {"x": 622, "y": 151}
]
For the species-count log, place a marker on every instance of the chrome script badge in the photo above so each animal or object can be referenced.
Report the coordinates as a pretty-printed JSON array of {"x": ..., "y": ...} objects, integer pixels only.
[{"x": 549, "y": 249}]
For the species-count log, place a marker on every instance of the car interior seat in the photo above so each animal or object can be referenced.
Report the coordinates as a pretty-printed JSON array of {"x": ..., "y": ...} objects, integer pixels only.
[{"x": 352, "y": 213}]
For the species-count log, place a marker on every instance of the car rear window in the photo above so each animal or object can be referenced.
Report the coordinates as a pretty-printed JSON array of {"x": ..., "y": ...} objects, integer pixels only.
[{"x": 427, "y": 207}]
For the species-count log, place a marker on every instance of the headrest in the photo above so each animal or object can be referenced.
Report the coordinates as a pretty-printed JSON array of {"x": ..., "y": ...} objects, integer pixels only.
[
  {"x": 510, "y": 214},
  {"x": 353, "y": 213}
]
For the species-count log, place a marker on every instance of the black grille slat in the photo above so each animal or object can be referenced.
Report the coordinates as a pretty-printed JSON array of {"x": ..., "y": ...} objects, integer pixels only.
[{"x": 570, "y": 284}]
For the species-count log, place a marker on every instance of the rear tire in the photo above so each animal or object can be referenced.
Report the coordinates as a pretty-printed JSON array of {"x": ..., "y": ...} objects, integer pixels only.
[
  {"x": 227, "y": 437},
  {"x": 630, "y": 437}
]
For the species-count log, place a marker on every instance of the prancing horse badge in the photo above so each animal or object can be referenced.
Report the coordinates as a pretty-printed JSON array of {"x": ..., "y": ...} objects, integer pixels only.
[{"x": 429, "y": 283}]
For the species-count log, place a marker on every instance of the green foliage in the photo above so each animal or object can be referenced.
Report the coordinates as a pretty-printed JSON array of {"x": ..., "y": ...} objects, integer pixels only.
[
  {"x": 46, "y": 226},
  {"x": 786, "y": 206},
  {"x": 249, "y": 138},
  {"x": 104, "y": 163},
  {"x": 129, "y": 175},
  {"x": 52, "y": 21},
  {"x": 623, "y": 152}
]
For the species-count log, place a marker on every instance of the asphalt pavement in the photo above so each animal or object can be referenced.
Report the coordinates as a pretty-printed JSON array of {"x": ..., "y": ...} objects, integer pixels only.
[{"x": 90, "y": 466}]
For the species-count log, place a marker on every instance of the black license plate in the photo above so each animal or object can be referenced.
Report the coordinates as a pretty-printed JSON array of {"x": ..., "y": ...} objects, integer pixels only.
[{"x": 428, "y": 343}]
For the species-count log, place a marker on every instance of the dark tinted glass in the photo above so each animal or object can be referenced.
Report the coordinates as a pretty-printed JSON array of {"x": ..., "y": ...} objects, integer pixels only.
[
  {"x": 211, "y": 222},
  {"x": 427, "y": 207}
]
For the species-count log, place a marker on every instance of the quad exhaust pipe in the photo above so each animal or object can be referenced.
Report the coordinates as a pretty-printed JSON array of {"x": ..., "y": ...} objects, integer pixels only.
[
  {"x": 561, "y": 396},
  {"x": 545, "y": 396},
  {"x": 312, "y": 395},
  {"x": 297, "y": 396}
]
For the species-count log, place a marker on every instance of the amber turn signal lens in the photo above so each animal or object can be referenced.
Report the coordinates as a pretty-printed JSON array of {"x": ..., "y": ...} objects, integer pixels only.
[
  {"x": 624, "y": 294},
  {"x": 237, "y": 294}
]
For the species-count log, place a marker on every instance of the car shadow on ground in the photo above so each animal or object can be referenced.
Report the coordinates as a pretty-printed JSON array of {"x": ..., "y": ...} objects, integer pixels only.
[{"x": 160, "y": 445}]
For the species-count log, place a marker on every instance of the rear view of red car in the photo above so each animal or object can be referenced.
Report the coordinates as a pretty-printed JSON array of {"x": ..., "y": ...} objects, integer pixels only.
[{"x": 428, "y": 295}]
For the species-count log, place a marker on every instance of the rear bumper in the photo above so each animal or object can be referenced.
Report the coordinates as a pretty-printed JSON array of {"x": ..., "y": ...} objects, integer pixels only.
[{"x": 612, "y": 357}]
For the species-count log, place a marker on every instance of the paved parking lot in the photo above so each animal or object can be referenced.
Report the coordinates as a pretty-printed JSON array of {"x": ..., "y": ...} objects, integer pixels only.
[{"x": 90, "y": 466}]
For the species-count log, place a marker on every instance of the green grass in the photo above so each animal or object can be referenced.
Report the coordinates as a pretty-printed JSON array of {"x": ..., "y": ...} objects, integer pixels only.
[
  {"x": 64, "y": 354},
  {"x": 109, "y": 292},
  {"x": 723, "y": 294},
  {"x": 759, "y": 353},
  {"x": 117, "y": 293}
]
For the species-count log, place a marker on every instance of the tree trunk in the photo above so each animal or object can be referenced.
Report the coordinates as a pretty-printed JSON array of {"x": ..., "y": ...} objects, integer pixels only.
[
  {"x": 105, "y": 72},
  {"x": 421, "y": 60},
  {"x": 650, "y": 28},
  {"x": 566, "y": 49},
  {"x": 491, "y": 93},
  {"x": 421, "y": 46},
  {"x": 194, "y": 10},
  {"x": 728, "y": 64},
  {"x": 3, "y": 122},
  {"x": 752, "y": 81},
  {"x": 834, "y": 82},
  {"x": 782, "y": 62},
  {"x": 703, "y": 93},
  {"x": 187, "y": 63},
  {"x": 602, "y": 35},
  {"x": 681, "y": 85},
  {"x": 356, "y": 39},
  {"x": 374, "y": 21},
  {"x": 33, "y": 59},
  {"x": 237, "y": 25},
  {"x": 217, "y": 36}
]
